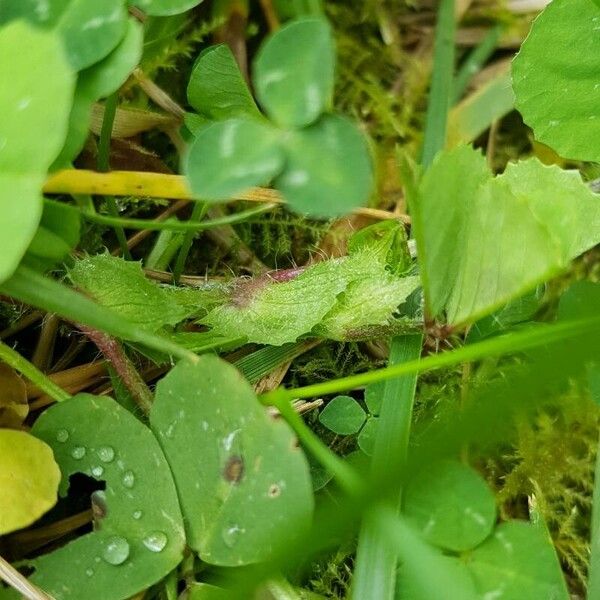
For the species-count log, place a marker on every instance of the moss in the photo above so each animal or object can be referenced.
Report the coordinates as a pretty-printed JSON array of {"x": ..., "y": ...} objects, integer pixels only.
[{"x": 553, "y": 463}]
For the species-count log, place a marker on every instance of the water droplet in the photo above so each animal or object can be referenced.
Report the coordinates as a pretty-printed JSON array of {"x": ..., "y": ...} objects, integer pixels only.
[
  {"x": 128, "y": 479},
  {"x": 232, "y": 534},
  {"x": 89, "y": 572},
  {"x": 78, "y": 452},
  {"x": 137, "y": 515},
  {"x": 106, "y": 454},
  {"x": 155, "y": 541},
  {"x": 116, "y": 550},
  {"x": 97, "y": 471},
  {"x": 62, "y": 435},
  {"x": 170, "y": 430}
]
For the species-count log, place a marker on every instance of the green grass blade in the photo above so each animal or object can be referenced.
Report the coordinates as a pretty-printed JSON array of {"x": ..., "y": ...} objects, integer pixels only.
[
  {"x": 263, "y": 361},
  {"x": 497, "y": 346},
  {"x": 16, "y": 361},
  {"x": 198, "y": 213},
  {"x": 110, "y": 110},
  {"x": 441, "y": 83},
  {"x": 475, "y": 61},
  {"x": 376, "y": 561}
]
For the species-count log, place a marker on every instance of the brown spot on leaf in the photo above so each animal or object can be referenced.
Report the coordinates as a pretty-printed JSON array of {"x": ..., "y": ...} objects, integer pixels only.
[
  {"x": 274, "y": 491},
  {"x": 234, "y": 469}
]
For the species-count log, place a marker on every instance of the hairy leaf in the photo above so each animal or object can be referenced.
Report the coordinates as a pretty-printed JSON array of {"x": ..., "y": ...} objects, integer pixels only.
[
  {"x": 29, "y": 479},
  {"x": 341, "y": 298},
  {"x": 274, "y": 313},
  {"x": 294, "y": 72},
  {"x": 557, "y": 91},
  {"x": 122, "y": 286},
  {"x": 243, "y": 484},
  {"x": 486, "y": 240},
  {"x": 36, "y": 107}
]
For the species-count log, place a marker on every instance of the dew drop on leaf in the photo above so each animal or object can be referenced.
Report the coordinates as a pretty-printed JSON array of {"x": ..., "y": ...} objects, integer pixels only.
[
  {"x": 155, "y": 541},
  {"x": 106, "y": 454},
  {"x": 137, "y": 515},
  {"x": 62, "y": 435},
  {"x": 116, "y": 551},
  {"x": 232, "y": 534},
  {"x": 128, "y": 479},
  {"x": 89, "y": 572},
  {"x": 97, "y": 471},
  {"x": 78, "y": 452}
]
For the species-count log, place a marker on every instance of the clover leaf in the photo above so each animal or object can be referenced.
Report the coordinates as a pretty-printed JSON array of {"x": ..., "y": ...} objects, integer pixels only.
[
  {"x": 138, "y": 532},
  {"x": 37, "y": 100},
  {"x": 343, "y": 415},
  {"x": 217, "y": 89},
  {"x": 320, "y": 162},
  {"x": 89, "y": 30},
  {"x": 244, "y": 485},
  {"x": 234, "y": 155},
  {"x": 451, "y": 505},
  {"x": 294, "y": 72}
]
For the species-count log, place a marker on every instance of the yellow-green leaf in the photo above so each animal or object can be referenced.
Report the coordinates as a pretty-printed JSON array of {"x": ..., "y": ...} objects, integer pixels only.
[{"x": 29, "y": 479}]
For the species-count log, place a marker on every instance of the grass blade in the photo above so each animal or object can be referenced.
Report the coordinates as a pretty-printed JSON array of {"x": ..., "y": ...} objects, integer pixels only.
[{"x": 376, "y": 562}]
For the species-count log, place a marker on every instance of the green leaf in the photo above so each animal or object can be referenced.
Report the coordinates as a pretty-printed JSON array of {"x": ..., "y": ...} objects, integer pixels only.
[
  {"x": 343, "y": 415},
  {"x": 294, "y": 72},
  {"x": 205, "y": 591},
  {"x": 367, "y": 436},
  {"x": 539, "y": 218},
  {"x": 516, "y": 312},
  {"x": 122, "y": 286},
  {"x": 374, "y": 397},
  {"x": 29, "y": 480},
  {"x": 328, "y": 171},
  {"x": 217, "y": 89},
  {"x": 229, "y": 157},
  {"x": 517, "y": 562},
  {"x": 99, "y": 81},
  {"x": 581, "y": 300},
  {"x": 138, "y": 535},
  {"x": 89, "y": 30},
  {"x": 425, "y": 573},
  {"x": 164, "y": 8},
  {"x": 34, "y": 289},
  {"x": 451, "y": 505},
  {"x": 39, "y": 94},
  {"x": 388, "y": 240},
  {"x": 557, "y": 92},
  {"x": 56, "y": 236},
  {"x": 345, "y": 298},
  {"x": 243, "y": 483},
  {"x": 366, "y": 308},
  {"x": 276, "y": 313}
]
